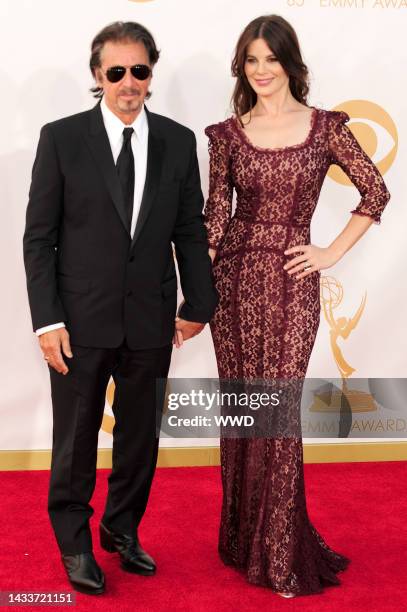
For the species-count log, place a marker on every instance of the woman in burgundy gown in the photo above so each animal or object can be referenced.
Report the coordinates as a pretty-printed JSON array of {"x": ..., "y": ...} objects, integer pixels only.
[{"x": 268, "y": 314}]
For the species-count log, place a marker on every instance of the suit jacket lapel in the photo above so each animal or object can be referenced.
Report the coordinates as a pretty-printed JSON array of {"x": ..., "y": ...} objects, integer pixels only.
[
  {"x": 98, "y": 142},
  {"x": 155, "y": 157}
]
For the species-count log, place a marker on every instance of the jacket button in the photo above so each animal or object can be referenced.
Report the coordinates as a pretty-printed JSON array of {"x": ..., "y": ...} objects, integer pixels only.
[
  {"x": 131, "y": 258},
  {"x": 129, "y": 293}
]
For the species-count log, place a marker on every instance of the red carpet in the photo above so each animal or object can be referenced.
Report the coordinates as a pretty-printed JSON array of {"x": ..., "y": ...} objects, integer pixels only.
[{"x": 360, "y": 509}]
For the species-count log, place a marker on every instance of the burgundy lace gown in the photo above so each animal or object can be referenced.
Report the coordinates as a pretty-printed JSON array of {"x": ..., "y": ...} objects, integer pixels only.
[{"x": 265, "y": 327}]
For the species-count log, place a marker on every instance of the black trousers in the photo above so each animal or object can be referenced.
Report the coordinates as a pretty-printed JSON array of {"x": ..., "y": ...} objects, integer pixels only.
[{"x": 78, "y": 401}]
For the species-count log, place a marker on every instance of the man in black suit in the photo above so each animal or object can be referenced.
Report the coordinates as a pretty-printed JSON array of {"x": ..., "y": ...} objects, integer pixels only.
[{"x": 112, "y": 188}]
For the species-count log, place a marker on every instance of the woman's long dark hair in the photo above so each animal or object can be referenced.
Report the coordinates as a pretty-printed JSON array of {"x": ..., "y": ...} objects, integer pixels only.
[{"x": 280, "y": 36}]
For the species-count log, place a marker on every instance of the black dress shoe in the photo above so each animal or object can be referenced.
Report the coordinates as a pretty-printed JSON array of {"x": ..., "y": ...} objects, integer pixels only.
[
  {"x": 133, "y": 558},
  {"x": 84, "y": 574}
]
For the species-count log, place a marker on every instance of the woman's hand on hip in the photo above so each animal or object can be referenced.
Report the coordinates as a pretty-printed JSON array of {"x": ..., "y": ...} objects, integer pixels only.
[{"x": 309, "y": 259}]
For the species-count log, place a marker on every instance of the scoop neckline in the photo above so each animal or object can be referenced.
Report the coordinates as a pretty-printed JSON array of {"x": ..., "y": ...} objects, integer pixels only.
[{"x": 299, "y": 145}]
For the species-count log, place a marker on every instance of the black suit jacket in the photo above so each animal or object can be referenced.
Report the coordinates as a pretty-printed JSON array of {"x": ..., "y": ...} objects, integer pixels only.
[{"x": 82, "y": 266}]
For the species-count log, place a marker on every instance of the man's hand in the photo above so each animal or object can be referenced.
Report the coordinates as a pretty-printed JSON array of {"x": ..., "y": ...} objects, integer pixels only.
[
  {"x": 185, "y": 330},
  {"x": 51, "y": 343}
]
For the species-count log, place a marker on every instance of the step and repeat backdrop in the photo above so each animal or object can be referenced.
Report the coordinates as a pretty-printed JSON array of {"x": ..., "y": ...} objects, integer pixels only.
[{"x": 356, "y": 54}]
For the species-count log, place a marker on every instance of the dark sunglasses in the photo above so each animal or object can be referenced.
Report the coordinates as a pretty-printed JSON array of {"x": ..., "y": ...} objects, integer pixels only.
[{"x": 139, "y": 71}]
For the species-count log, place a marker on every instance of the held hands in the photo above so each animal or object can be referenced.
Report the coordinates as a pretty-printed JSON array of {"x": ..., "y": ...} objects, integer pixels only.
[
  {"x": 311, "y": 259},
  {"x": 188, "y": 329},
  {"x": 185, "y": 330},
  {"x": 51, "y": 343}
]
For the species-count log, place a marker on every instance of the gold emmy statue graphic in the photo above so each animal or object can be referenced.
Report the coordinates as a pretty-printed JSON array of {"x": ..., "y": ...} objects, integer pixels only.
[
  {"x": 364, "y": 115},
  {"x": 108, "y": 420},
  {"x": 328, "y": 400}
]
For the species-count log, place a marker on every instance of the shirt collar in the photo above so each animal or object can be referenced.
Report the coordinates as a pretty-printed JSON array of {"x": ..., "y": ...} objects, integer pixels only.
[{"x": 114, "y": 126}]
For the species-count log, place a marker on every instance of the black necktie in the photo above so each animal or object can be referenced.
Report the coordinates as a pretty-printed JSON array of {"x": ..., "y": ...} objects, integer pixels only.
[{"x": 125, "y": 169}]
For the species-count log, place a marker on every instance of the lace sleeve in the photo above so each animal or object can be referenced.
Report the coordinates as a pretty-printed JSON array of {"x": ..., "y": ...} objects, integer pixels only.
[
  {"x": 347, "y": 153},
  {"x": 218, "y": 209}
]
